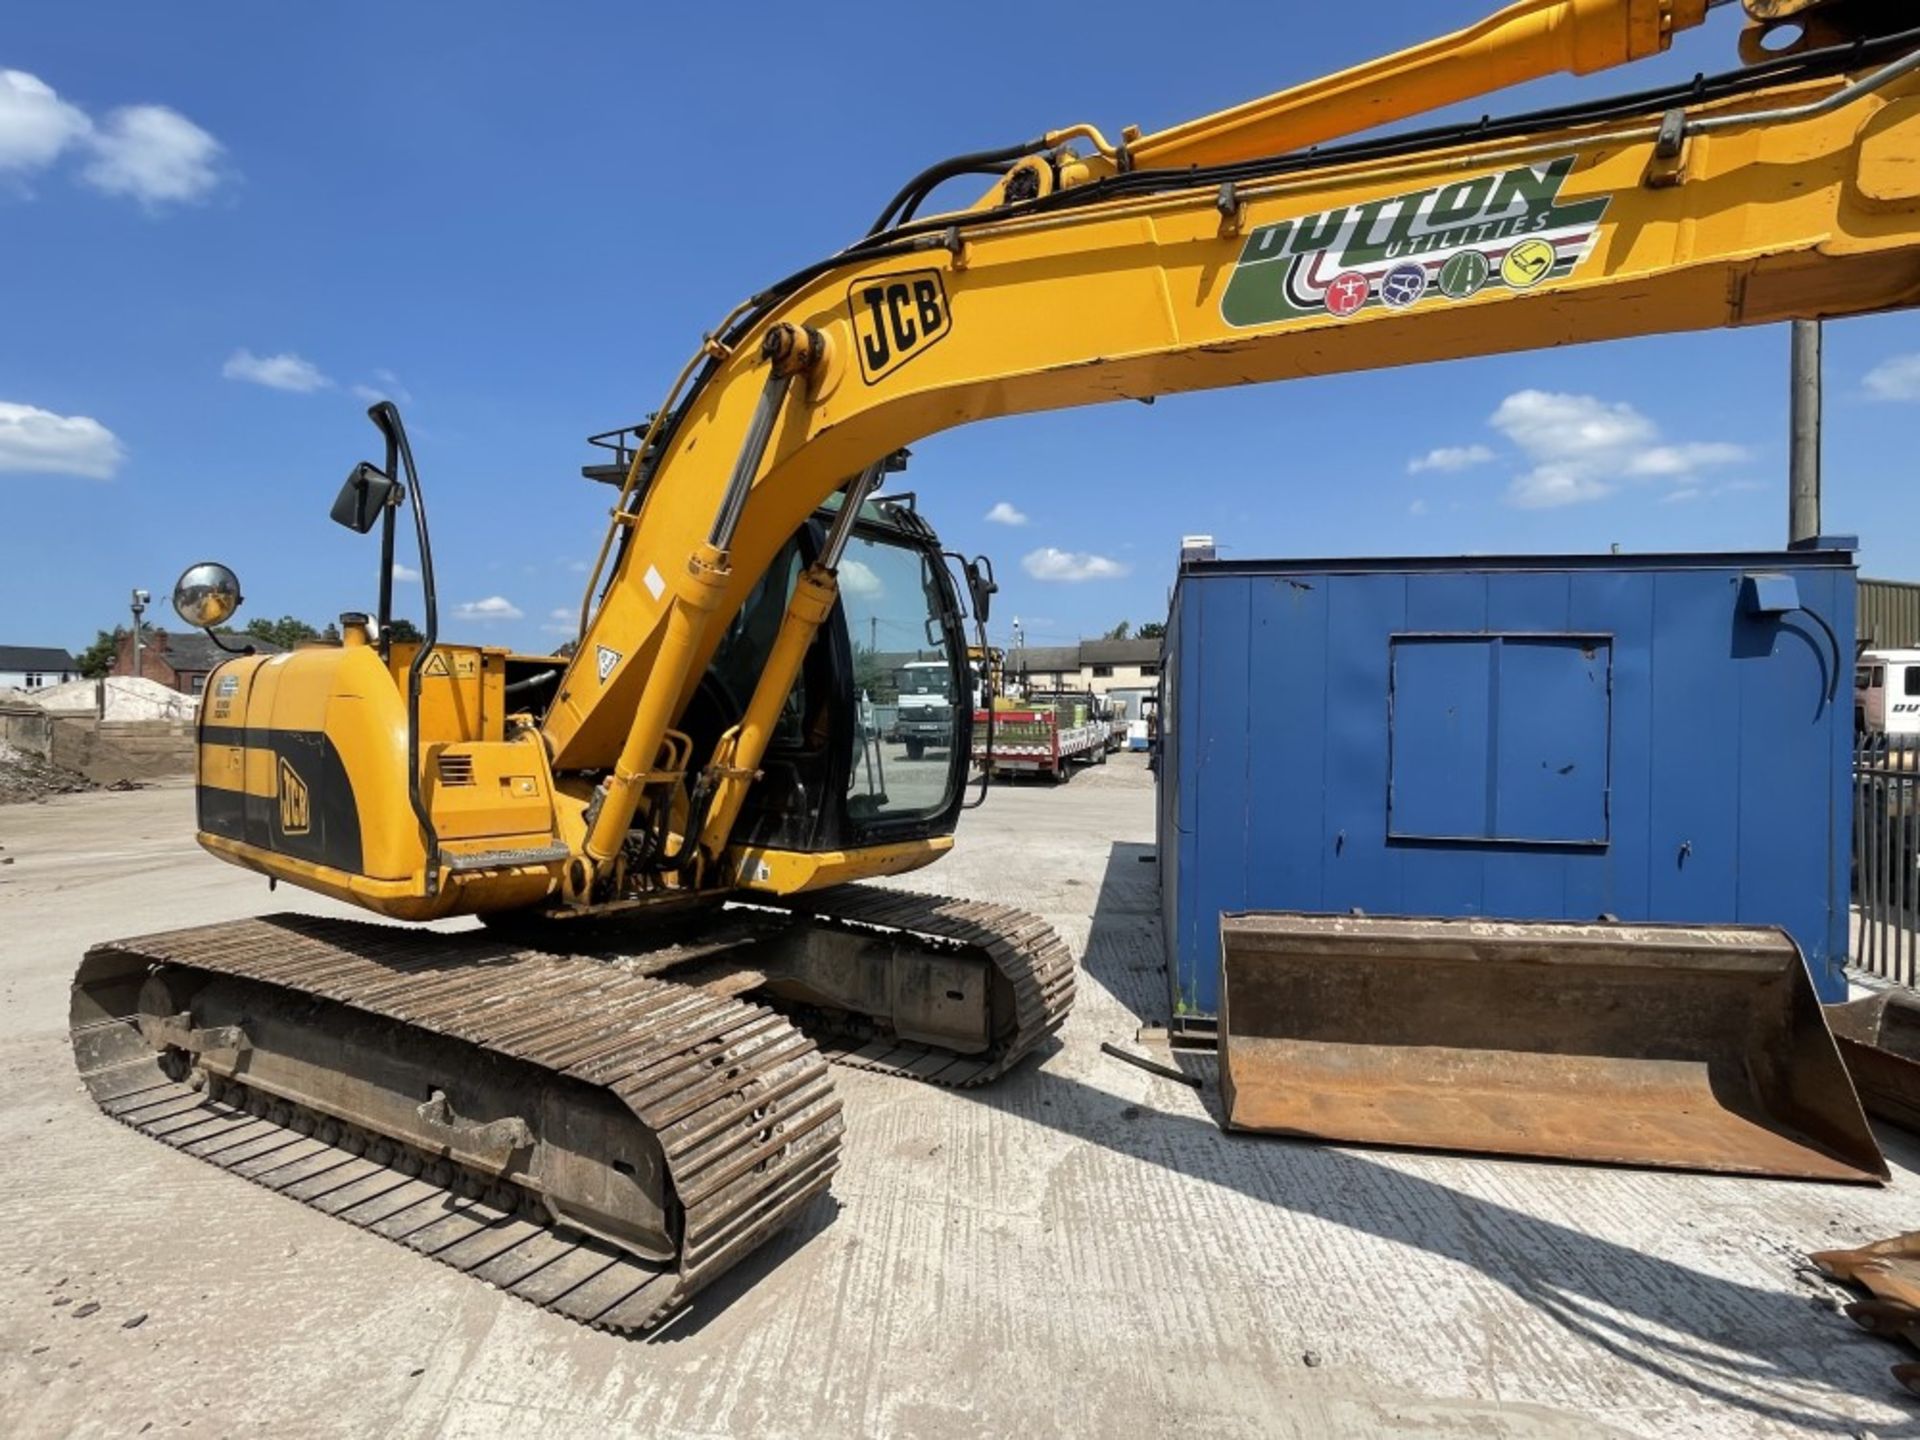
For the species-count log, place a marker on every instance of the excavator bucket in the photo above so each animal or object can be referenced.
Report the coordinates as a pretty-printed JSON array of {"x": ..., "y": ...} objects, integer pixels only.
[
  {"x": 1686, "y": 1047},
  {"x": 1889, "y": 1270},
  {"x": 1880, "y": 1041}
]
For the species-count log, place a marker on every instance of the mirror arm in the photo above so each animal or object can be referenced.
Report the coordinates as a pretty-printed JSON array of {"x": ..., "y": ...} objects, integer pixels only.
[
  {"x": 386, "y": 416},
  {"x": 387, "y": 524},
  {"x": 230, "y": 649}
]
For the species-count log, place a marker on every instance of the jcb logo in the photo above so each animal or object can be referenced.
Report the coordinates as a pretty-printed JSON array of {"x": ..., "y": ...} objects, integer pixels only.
[
  {"x": 896, "y": 317},
  {"x": 295, "y": 817}
]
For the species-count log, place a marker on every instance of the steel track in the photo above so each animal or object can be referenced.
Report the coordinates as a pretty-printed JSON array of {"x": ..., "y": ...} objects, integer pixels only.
[
  {"x": 741, "y": 1102},
  {"x": 1031, "y": 960}
]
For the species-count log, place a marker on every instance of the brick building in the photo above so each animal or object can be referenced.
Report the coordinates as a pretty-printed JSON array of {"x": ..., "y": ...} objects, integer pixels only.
[{"x": 180, "y": 662}]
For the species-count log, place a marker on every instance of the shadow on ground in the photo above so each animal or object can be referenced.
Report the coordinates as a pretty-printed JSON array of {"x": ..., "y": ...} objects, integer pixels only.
[{"x": 1714, "y": 1336}]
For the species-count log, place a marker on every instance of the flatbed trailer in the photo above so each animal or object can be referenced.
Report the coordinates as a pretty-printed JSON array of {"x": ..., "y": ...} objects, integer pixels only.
[{"x": 1033, "y": 742}]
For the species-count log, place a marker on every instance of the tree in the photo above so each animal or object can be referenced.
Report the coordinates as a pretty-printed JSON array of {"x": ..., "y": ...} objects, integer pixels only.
[
  {"x": 96, "y": 661},
  {"x": 1152, "y": 630},
  {"x": 286, "y": 632},
  {"x": 1119, "y": 632},
  {"x": 404, "y": 632}
]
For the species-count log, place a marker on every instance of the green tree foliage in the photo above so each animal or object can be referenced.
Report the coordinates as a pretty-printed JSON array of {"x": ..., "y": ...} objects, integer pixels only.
[
  {"x": 1152, "y": 630},
  {"x": 872, "y": 678},
  {"x": 286, "y": 632},
  {"x": 96, "y": 661},
  {"x": 404, "y": 632},
  {"x": 1119, "y": 632}
]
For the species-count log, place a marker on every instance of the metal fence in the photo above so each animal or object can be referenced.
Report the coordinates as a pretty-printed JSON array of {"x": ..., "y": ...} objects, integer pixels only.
[{"x": 1886, "y": 857}]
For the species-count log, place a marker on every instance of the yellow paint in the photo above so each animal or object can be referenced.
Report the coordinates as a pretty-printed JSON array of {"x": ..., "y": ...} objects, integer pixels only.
[
  {"x": 787, "y": 872},
  {"x": 395, "y": 899},
  {"x": 490, "y": 791}
]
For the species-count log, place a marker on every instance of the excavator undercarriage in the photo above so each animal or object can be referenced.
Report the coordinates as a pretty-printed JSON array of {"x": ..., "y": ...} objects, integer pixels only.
[{"x": 601, "y": 1132}]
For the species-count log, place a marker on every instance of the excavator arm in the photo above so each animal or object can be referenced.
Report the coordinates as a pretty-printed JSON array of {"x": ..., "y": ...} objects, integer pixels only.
[{"x": 1199, "y": 258}]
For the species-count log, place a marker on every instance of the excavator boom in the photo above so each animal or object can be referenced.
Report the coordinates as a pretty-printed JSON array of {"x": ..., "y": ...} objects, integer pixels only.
[{"x": 1591, "y": 223}]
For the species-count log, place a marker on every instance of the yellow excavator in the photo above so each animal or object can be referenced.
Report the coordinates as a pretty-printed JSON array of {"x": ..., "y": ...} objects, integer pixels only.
[{"x": 620, "y": 1084}]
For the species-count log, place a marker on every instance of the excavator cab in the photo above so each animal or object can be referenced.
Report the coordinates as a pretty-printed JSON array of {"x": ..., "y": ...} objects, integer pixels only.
[{"x": 840, "y": 773}]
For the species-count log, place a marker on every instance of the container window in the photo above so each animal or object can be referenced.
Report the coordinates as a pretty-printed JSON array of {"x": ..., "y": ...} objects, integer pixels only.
[
  {"x": 1500, "y": 738},
  {"x": 1912, "y": 686}
]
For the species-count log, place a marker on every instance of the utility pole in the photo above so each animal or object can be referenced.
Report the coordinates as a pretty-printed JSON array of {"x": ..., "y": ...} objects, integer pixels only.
[
  {"x": 1803, "y": 466},
  {"x": 140, "y": 599}
]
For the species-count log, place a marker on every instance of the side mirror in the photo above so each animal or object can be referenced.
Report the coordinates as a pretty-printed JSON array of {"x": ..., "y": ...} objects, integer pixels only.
[
  {"x": 981, "y": 586},
  {"x": 206, "y": 595},
  {"x": 367, "y": 492}
]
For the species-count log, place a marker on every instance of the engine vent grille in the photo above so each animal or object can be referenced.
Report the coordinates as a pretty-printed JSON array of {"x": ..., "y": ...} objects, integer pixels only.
[{"x": 456, "y": 769}]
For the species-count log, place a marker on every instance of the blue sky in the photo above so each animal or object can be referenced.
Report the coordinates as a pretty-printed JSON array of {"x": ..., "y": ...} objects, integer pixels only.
[{"x": 223, "y": 224}]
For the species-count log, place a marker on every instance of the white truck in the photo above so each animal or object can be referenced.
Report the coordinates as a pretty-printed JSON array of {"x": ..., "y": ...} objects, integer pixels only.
[
  {"x": 925, "y": 718},
  {"x": 1886, "y": 692}
]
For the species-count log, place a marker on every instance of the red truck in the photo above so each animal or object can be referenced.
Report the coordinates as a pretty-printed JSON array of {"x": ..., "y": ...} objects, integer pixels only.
[{"x": 1045, "y": 736}]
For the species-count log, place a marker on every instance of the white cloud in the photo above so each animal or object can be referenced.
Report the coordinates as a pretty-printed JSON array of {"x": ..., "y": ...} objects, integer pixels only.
[
  {"x": 1896, "y": 378},
  {"x": 859, "y": 581},
  {"x": 286, "y": 371},
  {"x": 1582, "y": 449},
  {"x": 405, "y": 574},
  {"x": 1048, "y": 563},
  {"x": 1450, "y": 458},
  {"x": 1709, "y": 492},
  {"x": 386, "y": 386},
  {"x": 154, "y": 154},
  {"x": 38, "y": 442},
  {"x": 35, "y": 123},
  {"x": 150, "y": 152},
  {"x": 1664, "y": 460},
  {"x": 561, "y": 620},
  {"x": 1004, "y": 514},
  {"x": 494, "y": 607},
  {"x": 1418, "y": 507}
]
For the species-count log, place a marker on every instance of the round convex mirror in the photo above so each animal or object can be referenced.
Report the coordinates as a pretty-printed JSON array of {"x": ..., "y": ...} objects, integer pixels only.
[{"x": 206, "y": 595}]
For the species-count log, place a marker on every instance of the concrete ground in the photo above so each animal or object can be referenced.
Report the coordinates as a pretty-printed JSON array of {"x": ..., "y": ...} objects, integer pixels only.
[{"x": 1077, "y": 1251}]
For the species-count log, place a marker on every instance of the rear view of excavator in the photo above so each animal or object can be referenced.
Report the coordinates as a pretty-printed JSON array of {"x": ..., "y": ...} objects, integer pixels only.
[{"x": 621, "y": 1084}]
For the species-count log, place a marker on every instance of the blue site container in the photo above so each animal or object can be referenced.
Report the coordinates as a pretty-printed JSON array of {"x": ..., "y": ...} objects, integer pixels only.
[{"x": 1653, "y": 737}]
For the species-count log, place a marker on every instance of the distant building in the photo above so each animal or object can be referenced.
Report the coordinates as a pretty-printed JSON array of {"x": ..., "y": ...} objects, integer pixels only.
[
  {"x": 33, "y": 667},
  {"x": 1101, "y": 666},
  {"x": 181, "y": 662},
  {"x": 1889, "y": 614}
]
